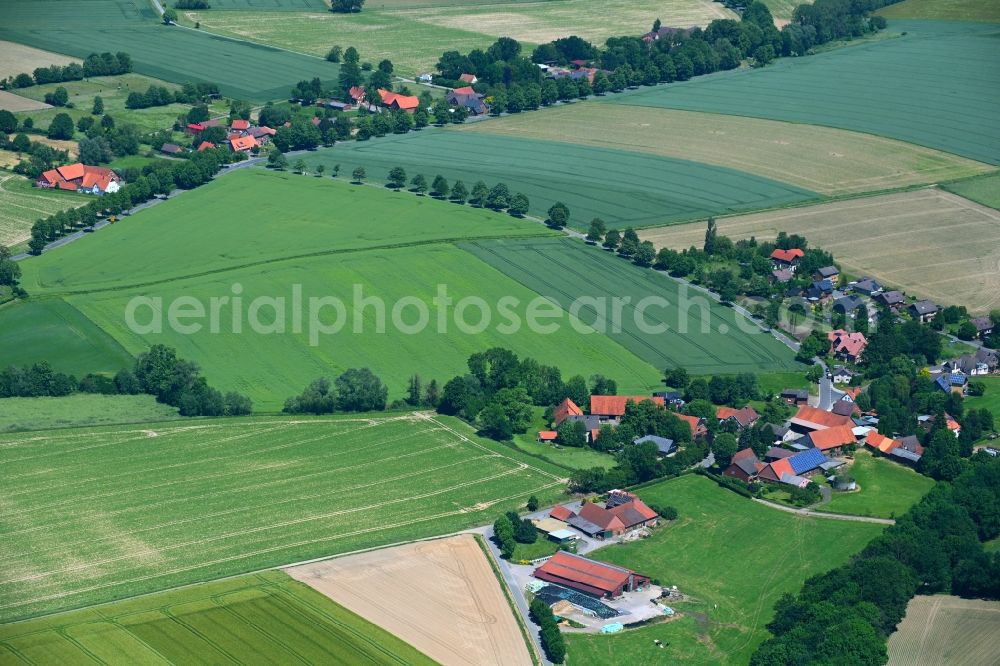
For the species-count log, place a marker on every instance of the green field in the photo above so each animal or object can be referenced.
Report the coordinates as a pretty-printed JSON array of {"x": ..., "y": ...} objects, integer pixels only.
[
  {"x": 984, "y": 189},
  {"x": 872, "y": 87},
  {"x": 266, "y": 617},
  {"x": 821, "y": 159},
  {"x": 50, "y": 330},
  {"x": 700, "y": 334},
  {"x": 990, "y": 400},
  {"x": 113, "y": 90},
  {"x": 623, "y": 188},
  {"x": 735, "y": 557},
  {"x": 887, "y": 489},
  {"x": 251, "y": 217},
  {"x": 952, "y": 10},
  {"x": 414, "y": 33},
  {"x": 81, "y": 409},
  {"x": 172, "y": 53},
  {"x": 130, "y": 510},
  {"x": 21, "y": 204},
  {"x": 566, "y": 456}
]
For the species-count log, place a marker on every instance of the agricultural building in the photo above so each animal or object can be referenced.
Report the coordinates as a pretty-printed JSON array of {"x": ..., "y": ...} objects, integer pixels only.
[
  {"x": 612, "y": 407},
  {"x": 594, "y": 578},
  {"x": 81, "y": 178}
]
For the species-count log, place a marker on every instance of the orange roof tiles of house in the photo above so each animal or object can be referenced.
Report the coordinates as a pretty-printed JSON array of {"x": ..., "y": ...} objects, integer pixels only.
[
  {"x": 401, "y": 101},
  {"x": 468, "y": 78},
  {"x": 547, "y": 435},
  {"x": 243, "y": 142},
  {"x": 67, "y": 185},
  {"x": 614, "y": 405},
  {"x": 464, "y": 90},
  {"x": 240, "y": 124},
  {"x": 877, "y": 440},
  {"x": 782, "y": 467},
  {"x": 744, "y": 416},
  {"x": 788, "y": 256},
  {"x": 818, "y": 419},
  {"x": 601, "y": 577},
  {"x": 51, "y": 176},
  {"x": 853, "y": 391},
  {"x": 71, "y": 171},
  {"x": 560, "y": 513},
  {"x": 564, "y": 410},
  {"x": 842, "y": 342},
  {"x": 693, "y": 422},
  {"x": 205, "y": 145},
  {"x": 831, "y": 438},
  {"x": 638, "y": 506}
]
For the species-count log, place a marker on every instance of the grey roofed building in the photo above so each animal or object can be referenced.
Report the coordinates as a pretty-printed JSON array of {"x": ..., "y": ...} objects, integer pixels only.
[
  {"x": 171, "y": 149},
  {"x": 777, "y": 453},
  {"x": 989, "y": 357},
  {"x": 796, "y": 395},
  {"x": 847, "y": 304},
  {"x": 670, "y": 397},
  {"x": 905, "y": 455},
  {"x": 892, "y": 298},
  {"x": 828, "y": 272},
  {"x": 782, "y": 275},
  {"x": 868, "y": 286},
  {"x": 747, "y": 464},
  {"x": 831, "y": 464},
  {"x": 473, "y": 102},
  {"x": 779, "y": 430},
  {"x": 664, "y": 445},
  {"x": 924, "y": 309},
  {"x": 843, "y": 408},
  {"x": 590, "y": 421},
  {"x": 794, "y": 480},
  {"x": 585, "y": 525},
  {"x": 984, "y": 325}
]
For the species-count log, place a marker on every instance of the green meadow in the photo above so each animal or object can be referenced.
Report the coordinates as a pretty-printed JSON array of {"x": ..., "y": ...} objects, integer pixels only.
[
  {"x": 686, "y": 330},
  {"x": 983, "y": 189},
  {"x": 886, "y": 488},
  {"x": 621, "y": 187},
  {"x": 92, "y": 515},
  {"x": 734, "y": 557},
  {"x": 945, "y": 69},
  {"x": 177, "y": 54},
  {"x": 951, "y": 10},
  {"x": 80, "y": 409},
  {"x": 266, "y": 616}
]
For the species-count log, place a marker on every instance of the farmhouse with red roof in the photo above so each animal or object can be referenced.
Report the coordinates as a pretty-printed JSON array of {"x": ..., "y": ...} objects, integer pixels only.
[
  {"x": 743, "y": 418},
  {"x": 786, "y": 259},
  {"x": 408, "y": 103},
  {"x": 594, "y": 578},
  {"x": 564, "y": 410},
  {"x": 612, "y": 407},
  {"x": 81, "y": 178},
  {"x": 846, "y": 346}
]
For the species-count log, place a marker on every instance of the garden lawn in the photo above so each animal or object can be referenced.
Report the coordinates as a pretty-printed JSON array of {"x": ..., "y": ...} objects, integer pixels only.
[
  {"x": 266, "y": 616},
  {"x": 272, "y": 363},
  {"x": 544, "y": 547},
  {"x": 21, "y": 204},
  {"x": 51, "y": 330},
  {"x": 253, "y": 216},
  {"x": 872, "y": 87},
  {"x": 79, "y": 27},
  {"x": 564, "y": 456},
  {"x": 734, "y": 557},
  {"x": 989, "y": 400},
  {"x": 887, "y": 489},
  {"x": 99, "y": 514},
  {"x": 80, "y": 409},
  {"x": 689, "y": 330},
  {"x": 622, "y": 187},
  {"x": 822, "y": 159}
]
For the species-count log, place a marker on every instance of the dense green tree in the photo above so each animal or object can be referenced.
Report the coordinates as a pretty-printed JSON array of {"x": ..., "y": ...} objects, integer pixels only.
[
  {"x": 61, "y": 127},
  {"x": 596, "y": 231},
  {"x": 558, "y": 215},
  {"x": 439, "y": 187},
  {"x": 169, "y": 16},
  {"x": 397, "y": 178},
  {"x": 519, "y": 205},
  {"x": 359, "y": 174},
  {"x": 459, "y": 193},
  {"x": 419, "y": 184},
  {"x": 498, "y": 197},
  {"x": 479, "y": 193}
]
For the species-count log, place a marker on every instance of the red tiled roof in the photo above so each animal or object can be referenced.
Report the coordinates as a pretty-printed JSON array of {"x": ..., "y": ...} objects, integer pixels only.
[
  {"x": 67, "y": 185},
  {"x": 693, "y": 422},
  {"x": 818, "y": 419},
  {"x": 560, "y": 513},
  {"x": 51, "y": 176},
  {"x": 71, "y": 171},
  {"x": 601, "y": 517},
  {"x": 564, "y": 410},
  {"x": 467, "y": 78},
  {"x": 240, "y": 124},
  {"x": 773, "y": 471},
  {"x": 547, "y": 435},
  {"x": 636, "y": 505},
  {"x": 400, "y": 101},
  {"x": 842, "y": 342},
  {"x": 243, "y": 142},
  {"x": 464, "y": 90},
  {"x": 205, "y": 145},
  {"x": 588, "y": 573},
  {"x": 614, "y": 405},
  {"x": 195, "y": 127},
  {"x": 357, "y": 93},
  {"x": 744, "y": 416},
  {"x": 877, "y": 440},
  {"x": 831, "y": 438},
  {"x": 788, "y": 256}
]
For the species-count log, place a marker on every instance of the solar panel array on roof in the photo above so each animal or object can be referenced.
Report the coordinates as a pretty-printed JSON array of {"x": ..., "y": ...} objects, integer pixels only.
[{"x": 808, "y": 460}]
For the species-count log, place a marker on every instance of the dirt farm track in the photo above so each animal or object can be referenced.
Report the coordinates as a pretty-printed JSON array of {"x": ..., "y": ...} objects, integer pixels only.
[
  {"x": 928, "y": 242},
  {"x": 947, "y": 630},
  {"x": 439, "y": 596}
]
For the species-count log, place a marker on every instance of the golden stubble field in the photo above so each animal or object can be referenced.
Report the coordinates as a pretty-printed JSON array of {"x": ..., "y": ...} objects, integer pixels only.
[
  {"x": 825, "y": 160},
  {"x": 928, "y": 242},
  {"x": 947, "y": 630},
  {"x": 17, "y": 58},
  {"x": 440, "y": 596}
]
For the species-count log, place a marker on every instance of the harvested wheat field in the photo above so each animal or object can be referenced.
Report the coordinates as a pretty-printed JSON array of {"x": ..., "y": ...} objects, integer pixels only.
[
  {"x": 947, "y": 630},
  {"x": 822, "y": 159},
  {"x": 17, "y": 58},
  {"x": 15, "y": 103},
  {"x": 439, "y": 596},
  {"x": 929, "y": 243}
]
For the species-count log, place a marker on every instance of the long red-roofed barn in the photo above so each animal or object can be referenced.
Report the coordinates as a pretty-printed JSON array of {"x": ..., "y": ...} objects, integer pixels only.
[
  {"x": 612, "y": 407},
  {"x": 594, "y": 578}
]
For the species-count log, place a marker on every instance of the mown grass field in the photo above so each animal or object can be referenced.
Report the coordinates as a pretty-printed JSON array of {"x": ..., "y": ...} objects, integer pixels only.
[
  {"x": 989, "y": 400},
  {"x": 887, "y": 489},
  {"x": 414, "y": 33},
  {"x": 950, "y": 10},
  {"x": 624, "y": 188},
  {"x": 130, "y": 510},
  {"x": 113, "y": 90},
  {"x": 78, "y": 27},
  {"x": 984, "y": 189},
  {"x": 254, "y": 216},
  {"x": 51, "y": 330},
  {"x": 81, "y": 409},
  {"x": 266, "y": 616},
  {"x": 928, "y": 242},
  {"x": 821, "y": 159},
  {"x": 21, "y": 204},
  {"x": 734, "y": 557},
  {"x": 872, "y": 88},
  {"x": 687, "y": 331},
  {"x": 942, "y": 629},
  {"x": 17, "y": 58}
]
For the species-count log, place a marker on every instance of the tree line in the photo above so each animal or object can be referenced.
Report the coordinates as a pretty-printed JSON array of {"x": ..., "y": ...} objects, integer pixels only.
[
  {"x": 95, "y": 64},
  {"x": 158, "y": 372},
  {"x": 846, "y": 615},
  {"x": 355, "y": 390}
]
